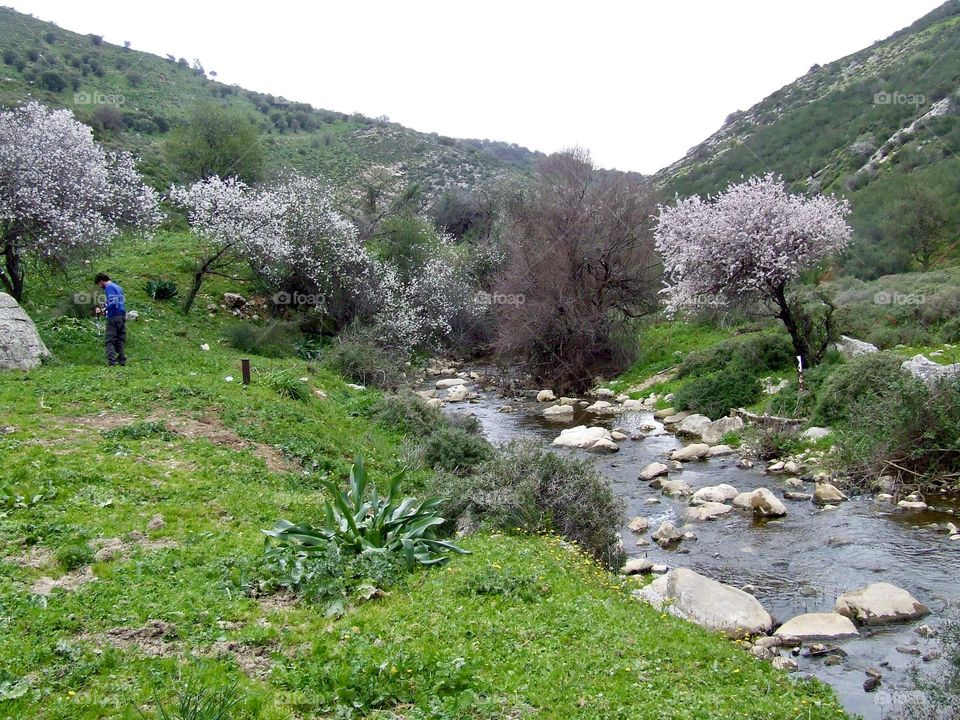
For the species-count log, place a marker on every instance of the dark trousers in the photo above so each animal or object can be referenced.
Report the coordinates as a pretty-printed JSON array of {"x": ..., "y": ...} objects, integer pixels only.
[{"x": 115, "y": 340}]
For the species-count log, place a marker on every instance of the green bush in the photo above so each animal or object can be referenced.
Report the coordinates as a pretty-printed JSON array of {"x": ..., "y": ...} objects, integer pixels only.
[
  {"x": 861, "y": 377},
  {"x": 455, "y": 450},
  {"x": 523, "y": 486},
  {"x": 760, "y": 353},
  {"x": 276, "y": 339},
  {"x": 364, "y": 363},
  {"x": 715, "y": 394},
  {"x": 950, "y": 331},
  {"x": 161, "y": 289},
  {"x": 285, "y": 384},
  {"x": 773, "y": 443},
  {"x": 74, "y": 556},
  {"x": 407, "y": 413},
  {"x": 791, "y": 402}
]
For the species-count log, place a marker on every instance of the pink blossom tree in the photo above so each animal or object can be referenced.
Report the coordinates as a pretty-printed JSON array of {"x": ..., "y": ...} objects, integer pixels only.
[
  {"x": 62, "y": 196},
  {"x": 746, "y": 248}
]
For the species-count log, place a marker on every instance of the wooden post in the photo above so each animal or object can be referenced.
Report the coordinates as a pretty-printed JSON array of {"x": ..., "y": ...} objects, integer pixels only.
[{"x": 245, "y": 369}]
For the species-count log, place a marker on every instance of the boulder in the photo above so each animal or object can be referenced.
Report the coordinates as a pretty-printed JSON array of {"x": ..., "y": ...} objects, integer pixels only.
[
  {"x": 696, "y": 451},
  {"x": 827, "y": 494},
  {"x": 707, "y": 511},
  {"x": 602, "y": 407},
  {"x": 20, "y": 345},
  {"x": 797, "y": 496},
  {"x": 792, "y": 468},
  {"x": 581, "y": 436},
  {"x": 912, "y": 505},
  {"x": 448, "y": 383},
  {"x": 708, "y": 603},
  {"x": 719, "y": 451},
  {"x": 603, "y": 446},
  {"x": 633, "y": 405},
  {"x": 457, "y": 393},
  {"x": 880, "y": 603},
  {"x": 676, "y": 418},
  {"x": 546, "y": 396},
  {"x": 603, "y": 393},
  {"x": 714, "y": 494},
  {"x": 766, "y": 504},
  {"x": 927, "y": 370},
  {"x": 851, "y": 347},
  {"x": 676, "y": 488},
  {"x": 654, "y": 469},
  {"x": 234, "y": 301},
  {"x": 637, "y": 566},
  {"x": 559, "y": 413},
  {"x": 667, "y": 535},
  {"x": 817, "y": 626},
  {"x": 617, "y": 436},
  {"x": 664, "y": 412},
  {"x": 568, "y": 401},
  {"x": 639, "y": 524},
  {"x": 715, "y": 431},
  {"x": 693, "y": 425},
  {"x": 815, "y": 433}
]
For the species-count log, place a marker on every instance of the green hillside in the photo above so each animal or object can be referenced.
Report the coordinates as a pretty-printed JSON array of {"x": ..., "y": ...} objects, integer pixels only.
[
  {"x": 134, "y": 99},
  {"x": 879, "y": 126}
]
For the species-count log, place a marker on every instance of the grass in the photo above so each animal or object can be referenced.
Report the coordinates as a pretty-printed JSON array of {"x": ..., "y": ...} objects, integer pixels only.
[{"x": 183, "y": 469}]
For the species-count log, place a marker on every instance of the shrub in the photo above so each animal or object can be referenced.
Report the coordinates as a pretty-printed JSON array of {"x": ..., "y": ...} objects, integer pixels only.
[
  {"x": 936, "y": 695},
  {"x": 715, "y": 394},
  {"x": 760, "y": 353},
  {"x": 53, "y": 81},
  {"x": 141, "y": 431},
  {"x": 522, "y": 486},
  {"x": 408, "y": 413},
  {"x": 455, "y": 450},
  {"x": 772, "y": 443},
  {"x": 74, "y": 556},
  {"x": 286, "y": 384},
  {"x": 950, "y": 331},
  {"x": 364, "y": 363},
  {"x": 161, "y": 289},
  {"x": 861, "y": 377},
  {"x": 276, "y": 339},
  {"x": 791, "y": 402}
]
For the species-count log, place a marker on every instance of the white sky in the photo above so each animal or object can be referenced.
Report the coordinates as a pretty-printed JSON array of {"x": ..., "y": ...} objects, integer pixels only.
[{"x": 638, "y": 83}]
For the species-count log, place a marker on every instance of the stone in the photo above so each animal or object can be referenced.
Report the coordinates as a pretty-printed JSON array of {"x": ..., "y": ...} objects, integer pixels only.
[
  {"x": 234, "y": 301},
  {"x": 617, "y": 436},
  {"x": 448, "y": 383},
  {"x": 797, "y": 496},
  {"x": 719, "y": 451},
  {"x": 633, "y": 405},
  {"x": 817, "y": 626},
  {"x": 559, "y": 413},
  {"x": 708, "y": 603},
  {"x": 637, "y": 566},
  {"x": 568, "y": 401},
  {"x": 639, "y": 524},
  {"x": 786, "y": 664},
  {"x": 581, "y": 436},
  {"x": 707, "y": 511},
  {"x": 696, "y": 451},
  {"x": 675, "y": 465},
  {"x": 546, "y": 396},
  {"x": 871, "y": 684},
  {"x": 927, "y": 370},
  {"x": 792, "y": 468},
  {"x": 664, "y": 412},
  {"x": 880, "y": 603},
  {"x": 715, "y": 431},
  {"x": 827, "y": 494},
  {"x": 812, "y": 434},
  {"x": 457, "y": 393},
  {"x": 676, "y": 418},
  {"x": 652, "y": 501},
  {"x": 912, "y": 505},
  {"x": 603, "y": 393},
  {"x": 714, "y": 494},
  {"x": 775, "y": 467},
  {"x": 653, "y": 470},
  {"x": 666, "y": 534},
  {"x": 851, "y": 347},
  {"x": 21, "y": 347},
  {"x": 766, "y": 504},
  {"x": 132, "y": 315},
  {"x": 693, "y": 425},
  {"x": 602, "y": 407},
  {"x": 676, "y": 488},
  {"x": 603, "y": 446}
]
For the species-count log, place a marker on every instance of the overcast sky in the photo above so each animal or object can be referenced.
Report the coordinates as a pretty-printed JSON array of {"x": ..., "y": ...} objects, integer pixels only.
[{"x": 638, "y": 83}]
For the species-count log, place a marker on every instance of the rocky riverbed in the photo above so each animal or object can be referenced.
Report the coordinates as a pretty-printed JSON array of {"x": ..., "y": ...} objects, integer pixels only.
[{"x": 781, "y": 544}]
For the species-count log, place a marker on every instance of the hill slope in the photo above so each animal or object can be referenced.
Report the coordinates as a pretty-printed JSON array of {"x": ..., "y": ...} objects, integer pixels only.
[
  {"x": 133, "y": 99},
  {"x": 859, "y": 126}
]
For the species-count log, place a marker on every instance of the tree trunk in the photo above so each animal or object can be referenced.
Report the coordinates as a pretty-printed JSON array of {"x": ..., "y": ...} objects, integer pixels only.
[
  {"x": 192, "y": 295},
  {"x": 793, "y": 327},
  {"x": 13, "y": 274}
]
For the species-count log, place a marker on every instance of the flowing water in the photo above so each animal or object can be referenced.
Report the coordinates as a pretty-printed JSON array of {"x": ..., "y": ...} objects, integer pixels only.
[{"x": 797, "y": 564}]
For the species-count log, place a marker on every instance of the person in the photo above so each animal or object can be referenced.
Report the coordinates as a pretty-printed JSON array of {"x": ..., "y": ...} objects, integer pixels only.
[{"x": 116, "y": 311}]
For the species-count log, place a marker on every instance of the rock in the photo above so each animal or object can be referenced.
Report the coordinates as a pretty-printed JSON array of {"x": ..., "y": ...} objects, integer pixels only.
[
  {"x": 568, "y": 401},
  {"x": 719, "y": 451},
  {"x": 766, "y": 504},
  {"x": 951, "y": 529},
  {"x": 633, "y": 405},
  {"x": 234, "y": 301},
  {"x": 772, "y": 388},
  {"x": 654, "y": 469},
  {"x": 639, "y": 524},
  {"x": 797, "y": 496},
  {"x": 792, "y": 468},
  {"x": 581, "y": 436},
  {"x": 617, "y": 436},
  {"x": 676, "y": 418},
  {"x": 817, "y": 626},
  {"x": 457, "y": 393},
  {"x": 603, "y": 446},
  {"x": 793, "y": 483},
  {"x": 715, "y": 431},
  {"x": 708, "y": 603},
  {"x": 745, "y": 463},
  {"x": 884, "y": 497},
  {"x": 880, "y": 603},
  {"x": 637, "y": 566},
  {"x": 775, "y": 467},
  {"x": 827, "y": 494},
  {"x": 132, "y": 316},
  {"x": 602, "y": 407},
  {"x": 812, "y": 434},
  {"x": 322, "y": 395},
  {"x": 559, "y": 413},
  {"x": 652, "y": 501},
  {"x": 664, "y": 412},
  {"x": 435, "y": 403},
  {"x": 871, "y": 684},
  {"x": 714, "y": 494},
  {"x": 603, "y": 393},
  {"x": 707, "y": 511},
  {"x": 676, "y": 488},
  {"x": 546, "y": 396},
  {"x": 21, "y": 347},
  {"x": 905, "y": 650},
  {"x": 693, "y": 425},
  {"x": 696, "y": 451},
  {"x": 785, "y": 663},
  {"x": 675, "y": 465},
  {"x": 851, "y": 347},
  {"x": 927, "y": 370},
  {"x": 448, "y": 383},
  {"x": 205, "y": 347},
  {"x": 666, "y": 535},
  {"x": 912, "y": 505}
]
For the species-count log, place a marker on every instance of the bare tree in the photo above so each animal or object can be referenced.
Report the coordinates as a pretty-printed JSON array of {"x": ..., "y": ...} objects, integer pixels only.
[{"x": 580, "y": 263}]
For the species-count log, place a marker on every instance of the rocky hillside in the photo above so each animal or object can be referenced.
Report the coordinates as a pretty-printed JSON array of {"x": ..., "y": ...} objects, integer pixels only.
[
  {"x": 858, "y": 126},
  {"x": 134, "y": 99}
]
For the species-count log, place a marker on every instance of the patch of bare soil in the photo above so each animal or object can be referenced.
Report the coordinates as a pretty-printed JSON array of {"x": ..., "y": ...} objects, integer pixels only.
[
  {"x": 156, "y": 639},
  {"x": 70, "y": 582},
  {"x": 254, "y": 660},
  {"x": 35, "y": 557},
  {"x": 278, "y": 602},
  {"x": 107, "y": 549}
]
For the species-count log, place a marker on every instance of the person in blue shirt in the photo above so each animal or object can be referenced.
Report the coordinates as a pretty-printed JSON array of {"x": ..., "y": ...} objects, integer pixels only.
[{"x": 116, "y": 312}]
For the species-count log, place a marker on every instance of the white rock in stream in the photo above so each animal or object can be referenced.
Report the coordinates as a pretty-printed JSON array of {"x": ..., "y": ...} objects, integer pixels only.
[
  {"x": 639, "y": 524},
  {"x": 707, "y": 511},
  {"x": 817, "y": 626},
  {"x": 581, "y": 436},
  {"x": 602, "y": 446},
  {"x": 880, "y": 603},
  {"x": 676, "y": 488},
  {"x": 696, "y": 451},
  {"x": 654, "y": 469},
  {"x": 708, "y": 603},
  {"x": 827, "y": 494},
  {"x": 559, "y": 413},
  {"x": 912, "y": 505},
  {"x": 714, "y": 494},
  {"x": 667, "y": 535},
  {"x": 633, "y": 405},
  {"x": 719, "y": 451},
  {"x": 602, "y": 407},
  {"x": 715, "y": 431},
  {"x": 546, "y": 396},
  {"x": 448, "y": 383},
  {"x": 693, "y": 426},
  {"x": 761, "y": 501},
  {"x": 637, "y": 566},
  {"x": 458, "y": 393}
]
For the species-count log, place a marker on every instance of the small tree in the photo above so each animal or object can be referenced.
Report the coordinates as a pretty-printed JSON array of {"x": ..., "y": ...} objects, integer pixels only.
[
  {"x": 217, "y": 141},
  {"x": 61, "y": 195},
  {"x": 746, "y": 247},
  {"x": 919, "y": 220}
]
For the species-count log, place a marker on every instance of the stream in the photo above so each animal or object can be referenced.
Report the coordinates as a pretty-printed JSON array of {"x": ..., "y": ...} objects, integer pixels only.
[{"x": 797, "y": 564}]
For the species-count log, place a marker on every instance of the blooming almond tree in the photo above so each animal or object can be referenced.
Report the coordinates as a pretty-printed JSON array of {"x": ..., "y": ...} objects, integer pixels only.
[
  {"x": 747, "y": 246},
  {"x": 61, "y": 195}
]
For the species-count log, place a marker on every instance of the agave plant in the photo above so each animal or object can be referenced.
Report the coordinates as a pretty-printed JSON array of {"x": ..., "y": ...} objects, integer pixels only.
[
  {"x": 358, "y": 522},
  {"x": 161, "y": 289}
]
